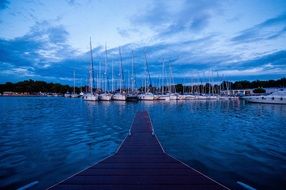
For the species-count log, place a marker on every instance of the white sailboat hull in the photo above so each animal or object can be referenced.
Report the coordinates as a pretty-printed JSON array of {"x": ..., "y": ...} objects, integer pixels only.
[
  {"x": 148, "y": 97},
  {"x": 163, "y": 97},
  {"x": 75, "y": 95},
  {"x": 119, "y": 97},
  {"x": 105, "y": 97},
  {"x": 90, "y": 97}
]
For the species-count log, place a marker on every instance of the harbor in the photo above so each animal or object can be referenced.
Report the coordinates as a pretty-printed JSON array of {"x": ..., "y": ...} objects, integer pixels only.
[{"x": 145, "y": 94}]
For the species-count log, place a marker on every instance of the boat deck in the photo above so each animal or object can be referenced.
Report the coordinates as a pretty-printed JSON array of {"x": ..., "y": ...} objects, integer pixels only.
[{"x": 139, "y": 163}]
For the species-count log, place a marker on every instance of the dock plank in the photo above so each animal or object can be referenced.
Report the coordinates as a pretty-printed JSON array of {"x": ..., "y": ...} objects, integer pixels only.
[{"x": 139, "y": 163}]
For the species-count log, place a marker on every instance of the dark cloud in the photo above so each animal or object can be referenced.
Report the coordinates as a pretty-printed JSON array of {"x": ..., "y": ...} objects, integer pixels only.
[
  {"x": 4, "y": 4},
  {"x": 192, "y": 16},
  {"x": 43, "y": 46},
  {"x": 276, "y": 59},
  {"x": 269, "y": 29}
]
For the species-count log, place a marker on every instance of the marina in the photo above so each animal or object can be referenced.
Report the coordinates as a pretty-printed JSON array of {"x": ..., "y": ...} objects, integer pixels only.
[{"x": 148, "y": 94}]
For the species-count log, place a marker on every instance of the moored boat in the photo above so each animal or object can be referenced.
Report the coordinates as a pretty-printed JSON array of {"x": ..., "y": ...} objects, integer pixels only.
[
  {"x": 90, "y": 97},
  {"x": 165, "y": 97},
  {"x": 132, "y": 98},
  {"x": 278, "y": 97},
  {"x": 119, "y": 97},
  {"x": 67, "y": 95},
  {"x": 105, "y": 97},
  {"x": 147, "y": 96}
]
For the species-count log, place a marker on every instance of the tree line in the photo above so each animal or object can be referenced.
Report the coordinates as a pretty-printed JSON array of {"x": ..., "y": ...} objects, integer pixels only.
[
  {"x": 280, "y": 83},
  {"x": 31, "y": 86}
]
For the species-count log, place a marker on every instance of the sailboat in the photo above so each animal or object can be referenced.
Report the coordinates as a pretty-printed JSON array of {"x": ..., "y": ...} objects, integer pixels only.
[
  {"x": 173, "y": 96},
  {"x": 74, "y": 95},
  {"x": 119, "y": 96},
  {"x": 132, "y": 96},
  {"x": 90, "y": 96},
  {"x": 147, "y": 95},
  {"x": 105, "y": 96},
  {"x": 163, "y": 95}
]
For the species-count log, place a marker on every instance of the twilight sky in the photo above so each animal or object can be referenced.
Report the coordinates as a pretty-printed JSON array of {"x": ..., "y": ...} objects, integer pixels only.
[{"x": 197, "y": 39}]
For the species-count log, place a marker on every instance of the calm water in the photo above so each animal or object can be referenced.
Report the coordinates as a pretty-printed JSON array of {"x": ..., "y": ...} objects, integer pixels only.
[{"x": 49, "y": 139}]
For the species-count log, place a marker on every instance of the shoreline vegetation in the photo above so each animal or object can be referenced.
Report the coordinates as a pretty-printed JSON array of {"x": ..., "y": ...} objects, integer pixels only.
[{"x": 39, "y": 88}]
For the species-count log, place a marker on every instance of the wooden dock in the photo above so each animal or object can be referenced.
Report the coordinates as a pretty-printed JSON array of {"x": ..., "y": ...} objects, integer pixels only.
[{"x": 139, "y": 163}]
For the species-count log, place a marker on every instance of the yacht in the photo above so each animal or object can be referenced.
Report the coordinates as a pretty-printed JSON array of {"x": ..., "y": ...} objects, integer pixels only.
[
  {"x": 174, "y": 96},
  {"x": 105, "y": 97},
  {"x": 278, "y": 97},
  {"x": 90, "y": 97},
  {"x": 119, "y": 97},
  {"x": 132, "y": 98},
  {"x": 67, "y": 95},
  {"x": 147, "y": 96},
  {"x": 165, "y": 97},
  {"x": 74, "y": 95}
]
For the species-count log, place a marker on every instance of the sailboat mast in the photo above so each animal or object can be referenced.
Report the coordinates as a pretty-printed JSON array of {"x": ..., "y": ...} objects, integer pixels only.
[
  {"x": 120, "y": 72},
  {"x": 105, "y": 70},
  {"x": 147, "y": 70},
  {"x": 112, "y": 76},
  {"x": 91, "y": 74},
  {"x": 73, "y": 82},
  {"x": 163, "y": 76},
  {"x": 132, "y": 73}
]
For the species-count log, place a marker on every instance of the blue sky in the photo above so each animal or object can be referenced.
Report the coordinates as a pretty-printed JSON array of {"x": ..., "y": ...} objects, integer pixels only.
[{"x": 199, "y": 39}]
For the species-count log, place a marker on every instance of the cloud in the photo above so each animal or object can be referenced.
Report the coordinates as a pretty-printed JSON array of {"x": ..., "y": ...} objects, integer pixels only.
[
  {"x": 4, "y": 4},
  {"x": 172, "y": 17},
  {"x": 44, "y": 54},
  {"x": 267, "y": 30},
  {"x": 42, "y": 47}
]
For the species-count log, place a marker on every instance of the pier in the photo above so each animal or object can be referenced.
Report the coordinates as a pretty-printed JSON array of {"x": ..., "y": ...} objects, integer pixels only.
[{"x": 139, "y": 163}]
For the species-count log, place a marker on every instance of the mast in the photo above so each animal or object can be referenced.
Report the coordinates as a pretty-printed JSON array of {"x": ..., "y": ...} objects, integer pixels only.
[
  {"x": 171, "y": 77},
  {"x": 91, "y": 74},
  {"x": 163, "y": 75},
  {"x": 112, "y": 76},
  {"x": 73, "y": 82},
  {"x": 132, "y": 74},
  {"x": 120, "y": 72},
  {"x": 147, "y": 70},
  {"x": 105, "y": 70}
]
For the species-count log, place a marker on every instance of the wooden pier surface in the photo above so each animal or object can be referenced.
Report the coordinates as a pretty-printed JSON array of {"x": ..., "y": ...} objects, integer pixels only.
[{"x": 139, "y": 163}]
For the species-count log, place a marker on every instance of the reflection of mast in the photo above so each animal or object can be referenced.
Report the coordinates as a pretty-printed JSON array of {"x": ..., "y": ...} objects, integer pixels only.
[{"x": 91, "y": 74}]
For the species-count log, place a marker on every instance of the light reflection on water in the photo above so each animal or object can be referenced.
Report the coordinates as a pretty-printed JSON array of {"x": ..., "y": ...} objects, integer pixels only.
[{"x": 49, "y": 139}]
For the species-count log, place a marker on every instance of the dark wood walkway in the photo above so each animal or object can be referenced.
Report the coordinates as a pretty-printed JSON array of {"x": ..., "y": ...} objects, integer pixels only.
[{"x": 139, "y": 163}]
